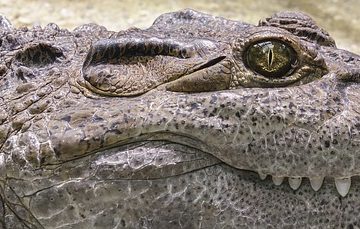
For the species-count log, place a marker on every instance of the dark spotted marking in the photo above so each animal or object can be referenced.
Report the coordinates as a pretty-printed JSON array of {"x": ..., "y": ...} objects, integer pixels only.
[{"x": 38, "y": 55}]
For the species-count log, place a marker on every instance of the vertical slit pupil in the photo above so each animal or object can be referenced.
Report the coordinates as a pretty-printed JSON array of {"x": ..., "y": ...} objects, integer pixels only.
[{"x": 270, "y": 57}]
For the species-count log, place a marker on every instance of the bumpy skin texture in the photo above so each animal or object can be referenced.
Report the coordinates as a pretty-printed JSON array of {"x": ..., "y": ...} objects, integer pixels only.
[{"x": 166, "y": 127}]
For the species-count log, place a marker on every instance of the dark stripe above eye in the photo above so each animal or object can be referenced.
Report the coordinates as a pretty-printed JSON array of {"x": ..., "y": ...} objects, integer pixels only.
[{"x": 107, "y": 51}]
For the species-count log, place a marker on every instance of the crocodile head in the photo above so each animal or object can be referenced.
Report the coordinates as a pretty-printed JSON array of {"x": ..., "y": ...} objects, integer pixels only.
[{"x": 167, "y": 125}]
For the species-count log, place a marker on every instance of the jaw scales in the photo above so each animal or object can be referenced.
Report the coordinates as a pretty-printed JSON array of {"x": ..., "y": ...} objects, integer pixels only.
[{"x": 342, "y": 184}]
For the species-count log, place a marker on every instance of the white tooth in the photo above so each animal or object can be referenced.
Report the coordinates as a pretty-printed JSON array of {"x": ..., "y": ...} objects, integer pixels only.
[
  {"x": 316, "y": 182},
  {"x": 295, "y": 182},
  {"x": 262, "y": 176},
  {"x": 343, "y": 185},
  {"x": 277, "y": 180}
]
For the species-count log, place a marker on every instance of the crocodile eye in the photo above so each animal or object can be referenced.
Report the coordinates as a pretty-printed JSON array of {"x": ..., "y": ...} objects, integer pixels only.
[{"x": 271, "y": 58}]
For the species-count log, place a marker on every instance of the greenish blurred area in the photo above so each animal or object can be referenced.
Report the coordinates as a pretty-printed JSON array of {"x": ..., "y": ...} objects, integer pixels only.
[{"x": 340, "y": 18}]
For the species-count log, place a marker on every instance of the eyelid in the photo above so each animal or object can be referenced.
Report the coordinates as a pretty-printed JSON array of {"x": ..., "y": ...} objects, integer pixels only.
[
  {"x": 134, "y": 66},
  {"x": 265, "y": 34}
]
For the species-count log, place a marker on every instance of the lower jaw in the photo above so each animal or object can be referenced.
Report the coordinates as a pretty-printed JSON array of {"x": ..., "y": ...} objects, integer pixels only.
[{"x": 189, "y": 146}]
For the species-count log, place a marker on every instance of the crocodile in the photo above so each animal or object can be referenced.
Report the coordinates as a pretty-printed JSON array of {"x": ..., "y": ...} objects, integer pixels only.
[{"x": 194, "y": 122}]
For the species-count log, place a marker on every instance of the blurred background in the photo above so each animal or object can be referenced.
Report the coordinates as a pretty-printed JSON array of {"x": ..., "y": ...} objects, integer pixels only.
[{"x": 341, "y": 18}]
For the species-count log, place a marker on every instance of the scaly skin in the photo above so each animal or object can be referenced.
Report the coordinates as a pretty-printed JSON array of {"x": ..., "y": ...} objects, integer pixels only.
[{"x": 165, "y": 127}]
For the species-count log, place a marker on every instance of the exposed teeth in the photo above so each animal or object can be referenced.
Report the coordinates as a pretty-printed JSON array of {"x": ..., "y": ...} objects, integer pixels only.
[
  {"x": 262, "y": 176},
  {"x": 343, "y": 185},
  {"x": 277, "y": 180},
  {"x": 316, "y": 182},
  {"x": 295, "y": 182}
]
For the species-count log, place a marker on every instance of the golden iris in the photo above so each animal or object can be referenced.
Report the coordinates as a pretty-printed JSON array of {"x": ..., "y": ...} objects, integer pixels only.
[{"x": 271, "y": 58}]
